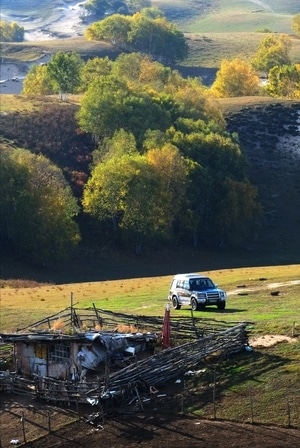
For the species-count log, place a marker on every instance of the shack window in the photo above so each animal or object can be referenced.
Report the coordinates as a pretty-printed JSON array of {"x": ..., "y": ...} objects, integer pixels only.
[
  {"x": 59, "y": 353},
  {"x": 40, "y": 351}
]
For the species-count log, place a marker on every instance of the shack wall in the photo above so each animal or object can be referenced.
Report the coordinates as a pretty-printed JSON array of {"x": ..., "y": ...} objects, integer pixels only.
[{"x": 43, "y": 359}]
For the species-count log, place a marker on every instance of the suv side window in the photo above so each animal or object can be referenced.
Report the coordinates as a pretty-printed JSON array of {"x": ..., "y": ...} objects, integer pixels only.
[{"x": 186, "y": 284}]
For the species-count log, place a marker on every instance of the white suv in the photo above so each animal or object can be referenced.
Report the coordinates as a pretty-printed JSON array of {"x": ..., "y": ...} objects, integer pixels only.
[{"x": 195, "y": 290}]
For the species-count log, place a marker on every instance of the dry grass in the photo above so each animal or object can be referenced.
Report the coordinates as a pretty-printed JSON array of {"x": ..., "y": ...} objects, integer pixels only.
[
  {"x": 148, "y": 296},
  {"x": 58, "y": 325},
  {"x": 208, "y": 49},
  {"x": 25, "y": 104}
]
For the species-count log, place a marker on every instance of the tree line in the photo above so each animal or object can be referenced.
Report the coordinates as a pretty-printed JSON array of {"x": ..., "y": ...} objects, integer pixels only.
[{"x": 164, "y": 169}]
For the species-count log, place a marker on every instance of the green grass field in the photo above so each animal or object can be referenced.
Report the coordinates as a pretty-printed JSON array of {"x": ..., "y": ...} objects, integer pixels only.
[
  {"x": 255, "y": 386},
  {"x": 249, "y": 298}
]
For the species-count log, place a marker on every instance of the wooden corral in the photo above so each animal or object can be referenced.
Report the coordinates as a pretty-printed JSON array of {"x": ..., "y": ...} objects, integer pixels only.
[{"x": 86, "y": 358}]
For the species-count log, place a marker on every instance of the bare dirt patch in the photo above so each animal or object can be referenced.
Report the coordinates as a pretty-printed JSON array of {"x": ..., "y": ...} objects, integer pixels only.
[
  {"x": 269, "y": 340},
  {"x": 132, "y": 430}
]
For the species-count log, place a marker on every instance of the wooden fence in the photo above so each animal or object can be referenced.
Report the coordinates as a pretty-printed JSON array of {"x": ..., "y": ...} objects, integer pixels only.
[
  {"x": 184, "y": 327},
  {"x": 152, "y": 371}
]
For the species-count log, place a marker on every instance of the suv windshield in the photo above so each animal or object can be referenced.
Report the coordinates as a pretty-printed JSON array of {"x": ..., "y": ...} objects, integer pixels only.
[{"x": 199, "y": 284}]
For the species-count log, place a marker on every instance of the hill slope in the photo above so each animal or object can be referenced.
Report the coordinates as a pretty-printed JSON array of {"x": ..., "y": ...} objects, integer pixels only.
[
  {"x": 269, "y": 133},
  {"x": 230, "y": 16}
]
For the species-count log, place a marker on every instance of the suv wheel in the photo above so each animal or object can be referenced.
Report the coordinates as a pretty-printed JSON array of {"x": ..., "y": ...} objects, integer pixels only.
[
  {"x": 221, "y": 306},
  {"x": 175, "y": 303},
  {"x": 194, "y": 304}
]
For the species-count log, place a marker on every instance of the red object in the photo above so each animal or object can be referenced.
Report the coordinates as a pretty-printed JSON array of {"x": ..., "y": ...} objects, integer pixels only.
[{"x": 166, "y": 329}]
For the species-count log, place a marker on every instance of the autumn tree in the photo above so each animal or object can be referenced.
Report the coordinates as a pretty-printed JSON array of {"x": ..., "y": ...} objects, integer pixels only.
[
  {"x": 37, "y": 208},
  {"x": 38, "y": 81},
  {"x": 114, "y": 28},
  {"x": 11, "y": 32},
  {"x": 138, "y": 194},
  {"x": 235, "y": 78},
  {"x": 296, "y": 23},
  {"x": 117, "y": 190},
  {"x": 166, "y": 161},
  {"x": 284, "y": 82},
  {"x": 13, "y": 180},
  {"x": 140, "y": 72},
  {"x": 122, "y": 142},
  {"x": 213, "y": 158},
  {"x": 151, "y": 122},
  {"x": 273, "y": 51}
]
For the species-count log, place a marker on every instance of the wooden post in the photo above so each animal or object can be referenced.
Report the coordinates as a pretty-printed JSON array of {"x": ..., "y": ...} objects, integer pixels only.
[
  {"x": 77, "y": 409},
  {"x": 71, "y": 310},
  {"x": 139, "y": 398},
  {"x": 183, "y": 397},
  {"x": 23, "y": 427},
  {"x": 293, "y": 330},
  {"x": 214, "y": 394},
  {"x": 99, "y": 318},
  {"x": 107, "y": 370},
  {"x": 251, "y": 405},
  {"x": 49, "y": 423},
  {"x": 288, "y": 411}
]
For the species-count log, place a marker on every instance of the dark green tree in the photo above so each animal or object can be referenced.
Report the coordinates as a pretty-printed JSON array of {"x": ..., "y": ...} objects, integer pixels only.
[
  {"x": 99, "y": 8},
  {"x": 109, "y": 105},
  {"x": 64, "y": 70},
  {"x": 145, "y": 31},
  {"x": 157, "y": 37},
  {"x": 92, "y": 69},
  {"x": 284, "y": 82}
]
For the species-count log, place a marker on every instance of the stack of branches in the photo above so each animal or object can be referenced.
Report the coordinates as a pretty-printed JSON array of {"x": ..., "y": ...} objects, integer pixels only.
[{"x": 174, "y": 362}]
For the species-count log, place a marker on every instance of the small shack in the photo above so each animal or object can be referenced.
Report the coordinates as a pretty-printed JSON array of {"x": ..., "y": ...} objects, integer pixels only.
[{"x": 70, "y": 357}]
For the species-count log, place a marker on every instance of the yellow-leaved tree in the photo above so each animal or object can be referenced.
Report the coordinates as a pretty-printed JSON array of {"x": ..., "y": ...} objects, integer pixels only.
[
  {"x": 273, "y": 50},
  {"x": 235, "y": 78},
  {"x": 296, "y": 24},
  {"x": 38, "y": 82}
]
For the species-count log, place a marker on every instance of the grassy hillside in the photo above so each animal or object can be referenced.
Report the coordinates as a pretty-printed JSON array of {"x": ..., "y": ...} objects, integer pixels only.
[
  {"x": 230, "y": 16},
  {"x": 218, "y": 29},
  {"x": 276, "y": 174},
  {"x": 215, "y": 29}
]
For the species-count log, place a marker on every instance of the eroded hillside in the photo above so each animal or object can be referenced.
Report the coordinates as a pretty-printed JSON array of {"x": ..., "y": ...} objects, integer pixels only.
[{"x": 270, "y": 135}]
